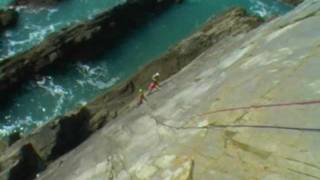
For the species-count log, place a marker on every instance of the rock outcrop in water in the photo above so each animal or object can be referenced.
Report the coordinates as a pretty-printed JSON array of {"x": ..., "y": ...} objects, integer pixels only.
[
  {"x": 35, "y": 2},
  {"x": 8, "y": 18},
  {"x": 293, "y": 2},
  {"x": 65, "y": 133},
  {"x": 79, "y": 41}
]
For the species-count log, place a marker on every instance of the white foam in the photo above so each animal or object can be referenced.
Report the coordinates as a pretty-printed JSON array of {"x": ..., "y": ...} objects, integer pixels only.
[{"x": 259, "y": 8}]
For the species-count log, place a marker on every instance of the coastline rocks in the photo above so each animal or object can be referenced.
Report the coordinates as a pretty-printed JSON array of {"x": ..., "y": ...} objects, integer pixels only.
[
  {"x": 87, "y": 39},
  {"x": 60, "y": 136},
  {"x": 22, "y": 164},
  {"x": 13, "y": 137},
  {"x": 34, "y": 2},
  {"x": 30, "y": 155},
  {"x": 293, "y": 2},
  {"x": 8, "y": 18},
  {"x": 3, "y": 146}
]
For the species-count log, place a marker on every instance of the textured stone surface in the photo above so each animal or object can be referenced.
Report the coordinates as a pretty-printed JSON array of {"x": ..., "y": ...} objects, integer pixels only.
[
  {"x": 65, "y": 133},
  {"x": 191, "y": 127}
]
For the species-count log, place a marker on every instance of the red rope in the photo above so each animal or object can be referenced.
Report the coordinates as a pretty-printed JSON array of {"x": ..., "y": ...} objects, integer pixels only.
[{"x": 301, "y": 103}]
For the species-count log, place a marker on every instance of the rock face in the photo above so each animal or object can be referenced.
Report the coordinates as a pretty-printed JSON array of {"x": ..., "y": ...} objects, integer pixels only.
[
  {"x": 8, "y": 18},
  {"x": 246, "y": 108},
  {"x": 65, "y": 133},
  {"x": 86, "y": 39}
]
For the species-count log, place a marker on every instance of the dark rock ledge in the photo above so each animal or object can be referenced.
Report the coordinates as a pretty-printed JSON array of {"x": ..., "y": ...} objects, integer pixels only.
[
  {"x": 65, "y": 133},
  {"x": 8, "y": 18},
  {"x": 82, "y": 40},
  {"x": 35, "y": 2},
  {"x": 293, "y": 2}
]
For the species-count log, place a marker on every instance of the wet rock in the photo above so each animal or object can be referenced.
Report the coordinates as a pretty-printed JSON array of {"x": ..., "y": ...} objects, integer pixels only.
[
  {"x": 59, "y": 136},
  {"x": 24, "y": 164},
  {"x": 14, "y": 137},
  {"x": 73, "y": 130},
  {"x": 30, "y": 155},
  {"x": 35, "y": 2},
  {"x": 86, "y": 39},
  {"x": 3, "y": 146},
  {"x": 293, "y": 2},
  {"x": 8, "y": 18}
]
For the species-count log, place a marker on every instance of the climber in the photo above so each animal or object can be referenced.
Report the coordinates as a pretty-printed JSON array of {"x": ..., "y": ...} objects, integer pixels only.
[
  {"x": 142, "y": 97},
  {"x": 154, "y": 85}
]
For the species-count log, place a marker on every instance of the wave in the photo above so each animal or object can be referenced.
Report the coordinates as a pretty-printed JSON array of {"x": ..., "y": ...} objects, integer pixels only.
[
  {"x": 90, "y": 76},
  {"x": 264, "y": 9},
  {"x": 95, "y": 77}
]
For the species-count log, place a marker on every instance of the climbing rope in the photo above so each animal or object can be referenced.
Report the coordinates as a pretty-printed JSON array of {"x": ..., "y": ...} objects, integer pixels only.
[
  {"x": 223, "y": 126},
  {"x": 301, "y": 103}
]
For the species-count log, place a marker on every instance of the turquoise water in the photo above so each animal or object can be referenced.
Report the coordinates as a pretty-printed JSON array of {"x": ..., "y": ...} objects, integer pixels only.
[
  {"x": 34, "y": 25},
  {"x": 63, "y": 89}
]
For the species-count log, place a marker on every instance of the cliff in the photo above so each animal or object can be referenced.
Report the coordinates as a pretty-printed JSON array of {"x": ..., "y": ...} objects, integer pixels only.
[
  {"x": 233, "y": 104},
  {"x": 246, "y": 108},
  {"x": 60, "y": 136}
]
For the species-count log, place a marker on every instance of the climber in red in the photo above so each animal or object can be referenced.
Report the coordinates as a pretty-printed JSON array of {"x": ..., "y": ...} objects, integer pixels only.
[{"x": 154, "y": 85}]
